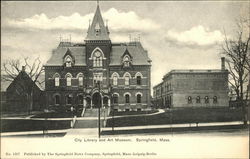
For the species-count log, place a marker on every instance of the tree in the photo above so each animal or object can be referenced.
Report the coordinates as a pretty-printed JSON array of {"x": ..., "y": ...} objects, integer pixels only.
[
  {"x": 237, "y": 54},
  {"x": 12, "y": 68}
]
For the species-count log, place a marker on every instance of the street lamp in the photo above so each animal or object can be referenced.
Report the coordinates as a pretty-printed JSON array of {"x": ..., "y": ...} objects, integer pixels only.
[
  {"x": 112, "y": 105},
  {"x": 99, "y": 108}
]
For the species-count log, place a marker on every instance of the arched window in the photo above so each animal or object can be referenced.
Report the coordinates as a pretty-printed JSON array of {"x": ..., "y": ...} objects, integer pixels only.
[
  {"x": 206, "y": 99},
  {"x": 138, "y": 97},
  {"x": 126, "y": 61},
  {"x": 68, "y": 61},
  {"x": 127, "y": 80},
  {"x": 127, "y": 98},
  {"x": 215, "y": 99},
  {"x": 69, "y": 99},
  {"x": 189, "y": 99},
  {"x": 57, "y": 99},
  {"x": 80, "y": 79},
  {"x": 57, "y": 79},
  {"x": 115, "y": 98},
  {"x": 97, "y": 59},
  {"x": 115, "y": 79},
  {"x": 198, "y": 99},
  {"x": 138, "y": 80},
  {"x": 68, "y": 79}
]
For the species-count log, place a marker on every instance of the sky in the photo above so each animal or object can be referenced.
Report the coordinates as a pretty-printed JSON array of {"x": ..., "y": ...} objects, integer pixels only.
[{"x": 177, "y": 35}]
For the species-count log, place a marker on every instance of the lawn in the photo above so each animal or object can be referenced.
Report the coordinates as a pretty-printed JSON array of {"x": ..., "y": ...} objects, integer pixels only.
[
  {"x": 116, "y": 113},
  {"x": 179, "y": 116},
  {"x": 17, "y": 125},
  {"x": 56, "y": 115}
]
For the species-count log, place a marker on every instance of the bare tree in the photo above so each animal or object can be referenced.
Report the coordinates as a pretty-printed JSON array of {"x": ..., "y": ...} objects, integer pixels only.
[
  {"x": 12, "y": 68},
  {"x": 236, "y": 49}
]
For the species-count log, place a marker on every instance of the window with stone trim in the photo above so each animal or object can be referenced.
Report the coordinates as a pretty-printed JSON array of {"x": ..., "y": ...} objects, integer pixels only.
[
  {"x": 115, "y": 99},
  {"x": 138, "y": 97},
  {"x": 97, "y": 59},
  {"x": 127, "y": 80},
  {"x": 138, "y": 80},
  {"x": 68, "y": 79},
  {"x": 198, "y": 99},
  {"x": 57, "y": 99},
  {"x": 115, "y": 80},
  {"x": 206, "y": 99},
  {"x": 189, "y": 99},
  {"x": 215, "y": 100},
  {"x": 127, "y": 98}
]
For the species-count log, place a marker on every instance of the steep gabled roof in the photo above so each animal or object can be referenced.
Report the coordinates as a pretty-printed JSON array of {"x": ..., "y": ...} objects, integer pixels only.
[
  {"x": 78, "y": 52},
  {"x": 126, "y": 53},
  {"x": 137, "y": 52},
  {"x": 97, "y": 24}
]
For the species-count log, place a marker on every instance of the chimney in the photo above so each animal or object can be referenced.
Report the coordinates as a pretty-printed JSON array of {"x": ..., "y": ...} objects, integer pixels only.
[
  {"x": 23, "y": 68},
  {"x": 222, "y": 63}
]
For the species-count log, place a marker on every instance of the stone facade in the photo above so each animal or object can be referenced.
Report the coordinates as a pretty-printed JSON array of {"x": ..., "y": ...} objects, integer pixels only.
[
  {"x": 188, "y": 88},
  {"x": 98, "y": 72}
]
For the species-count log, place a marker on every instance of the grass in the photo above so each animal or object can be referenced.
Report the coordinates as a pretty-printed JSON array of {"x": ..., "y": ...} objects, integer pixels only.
[
  {"x": 116, "y": 113},
  {"x": 17, "y": 125},
  {"x": 56, "y": 115},
  {"x": 179, "y": 116}
]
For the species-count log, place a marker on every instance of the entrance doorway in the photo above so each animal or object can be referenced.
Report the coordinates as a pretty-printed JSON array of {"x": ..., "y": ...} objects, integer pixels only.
[{"x": 96, "y": 100}]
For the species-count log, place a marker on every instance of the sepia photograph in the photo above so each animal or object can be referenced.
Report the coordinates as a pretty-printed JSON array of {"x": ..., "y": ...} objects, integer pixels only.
[{"x": 125, "y": 79}]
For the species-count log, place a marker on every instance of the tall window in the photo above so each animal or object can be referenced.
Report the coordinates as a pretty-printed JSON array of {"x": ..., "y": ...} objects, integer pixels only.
[
  {"x": 127, "y": 98},
  {"x": 215, "y": 100},
  {"x": 115, "y": 79},
  {"x": 206, "y": 99},
  {"x": 138, "y": 98},
  {"x": 97, "y": 59},
  {"x": 57, "y": 99},
  {"x": 115, "y": 98},
  {"x": 80, "y": 81},
  {"x": 198, "y": 99},
  {"x": 127, "y": 80},
  {"x": 57, "y": 81},
  {"x": 189, "y": 100},
  {"x": 68, "y": 79},
  {"x": 69, "y": 99},
  {"x": 138, "y": 80}
]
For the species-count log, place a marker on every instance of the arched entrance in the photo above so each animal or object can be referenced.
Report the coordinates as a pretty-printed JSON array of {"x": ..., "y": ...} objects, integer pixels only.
[{"x": 96, "y": 100}]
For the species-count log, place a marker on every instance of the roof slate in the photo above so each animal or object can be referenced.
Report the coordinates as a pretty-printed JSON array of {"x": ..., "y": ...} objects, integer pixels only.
[
  {"x": 139, "y": 55},
  {"x": 57, "y": 56}
]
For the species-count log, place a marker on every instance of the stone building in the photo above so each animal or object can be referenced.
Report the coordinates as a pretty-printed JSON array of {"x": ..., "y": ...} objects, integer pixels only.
[
  {"x": 188, "y": 88},
  {"x": 98, "y": 71}
]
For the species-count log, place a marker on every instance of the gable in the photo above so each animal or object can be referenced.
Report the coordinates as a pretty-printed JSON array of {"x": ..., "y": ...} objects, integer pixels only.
[
  {"x": 57, "y": 57},
  {"x": 137, "y": 53}
]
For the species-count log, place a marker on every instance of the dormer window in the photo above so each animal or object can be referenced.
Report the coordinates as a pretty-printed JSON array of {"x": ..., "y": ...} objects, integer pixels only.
[
  {"x": 126, "y": 61},
  {"x": 68, "y": 61}
]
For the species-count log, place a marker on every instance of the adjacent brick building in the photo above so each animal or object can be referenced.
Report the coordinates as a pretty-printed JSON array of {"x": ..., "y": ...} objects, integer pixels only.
[
  {"x": 122, "y": 69},
  {"x": 187, "y": 88}
]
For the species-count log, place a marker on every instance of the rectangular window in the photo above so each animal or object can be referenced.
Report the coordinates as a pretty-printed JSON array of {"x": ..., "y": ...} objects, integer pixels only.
[{"x": 57, "y": 81}]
